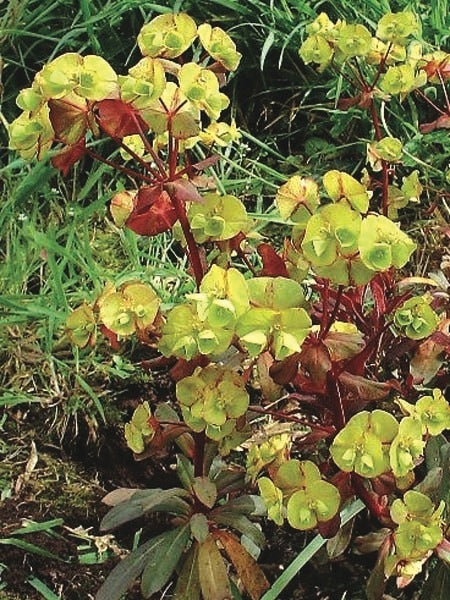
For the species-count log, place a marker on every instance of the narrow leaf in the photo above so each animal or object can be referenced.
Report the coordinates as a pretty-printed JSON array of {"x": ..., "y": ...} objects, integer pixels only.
[
  {"x": 128, "y": 570},
  {"x": 252, "y": 577},
  {"x": 188, "y": 584},
  {"x": 164, "y": 559},
  {"x": 212, "y": 572}
]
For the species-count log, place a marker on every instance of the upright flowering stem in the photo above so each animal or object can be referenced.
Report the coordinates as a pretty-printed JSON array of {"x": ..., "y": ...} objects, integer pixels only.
[{"x": 193, "y": 252}]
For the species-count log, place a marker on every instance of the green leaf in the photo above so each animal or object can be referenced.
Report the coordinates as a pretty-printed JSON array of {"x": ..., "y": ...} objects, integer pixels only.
[
  {"x": 161, "y": 563},
  {"x": 27, "y": 547},
  {"x": 437, "y": 585},
  {"x": 185, "y": 471},
  {"x": 212, "y": 572},
  {"x": 199, "y": 527},
  {"x": 205, "y": 490},
  {"x": 240, "y": 523},
  {"x": 40, "y": 587},
  {"x": 146, "y": 501},
  {"x": 188, "y": 582},
  {"x": 129, "y": 569}
]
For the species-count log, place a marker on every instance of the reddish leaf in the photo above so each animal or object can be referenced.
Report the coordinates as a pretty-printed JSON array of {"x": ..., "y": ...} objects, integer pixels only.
[
  {"x": 315, "y": 359},
  {"x": 69, "y": 156},
  {"x": 442, "y": 122},
  {"x": 328, "y": 529},
  {"x": 359, "y": 391},
  {"x": 183, "y": 190},
  {"x": 111, "y": 337},
  {"x": 118, "y": 119},
  {"x": 362, "y": 100},
  {"x": 284, "y": 372},
  {"x": 184, "y": 368},
  {"x": 153, "y": 212},
  {"x": 429, "y": 356},
  {"x": 69, "y": 119},
  {"x": 271, "y": 391},
  {"x": 273, "y": 264},
  {"x": 251, "y": 575},
  {"x": 433, "y": 67}
]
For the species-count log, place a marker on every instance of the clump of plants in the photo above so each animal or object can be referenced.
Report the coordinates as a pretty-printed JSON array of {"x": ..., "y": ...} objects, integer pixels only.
[{"x": 323, "y": 324}]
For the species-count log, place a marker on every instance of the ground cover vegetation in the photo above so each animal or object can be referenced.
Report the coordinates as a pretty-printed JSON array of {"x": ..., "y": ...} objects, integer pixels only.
[{"x": 225, "y": 250}]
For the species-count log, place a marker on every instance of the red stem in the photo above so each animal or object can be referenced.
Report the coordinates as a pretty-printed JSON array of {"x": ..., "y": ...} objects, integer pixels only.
[
  {"x": 125, "y": 170},
  {"x": 159, "y": 163},
  {"x": 199, "y": 453},
  {"x": 332, "y": 318},
  {"x": 193, "y": 253}
]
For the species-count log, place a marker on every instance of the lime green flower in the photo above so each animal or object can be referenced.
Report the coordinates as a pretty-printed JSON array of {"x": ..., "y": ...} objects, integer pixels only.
[
  {"x": 139, "y": 431},
  {"x": 219, "y": 133},
  {"x": 31, "y": 134},
  {"x": 175, "y": 110},
  {"x": 309, "y": 499},
  {"x": 212, "y": 396},
  {"x": 297, "y": 199},
  {"x": 416, "y": 318},
  {"x": 339, "y": 185},
  {"x": 406, "y": 447},
  {"x": 90, "y": 77},
  {"x": 201, "y": 87},
  {"x": 432, "y": 411},
  {"x": 130, "y": 309},
  {"x": 273, "y": 499},
  {"x": 331, "y": 232},
  {"x": 397, "y": 27},
  {"x": 273, "y": 451},
  {"x": 402, "y": 80},
  {"x": 276, "y": 320},
  {"x": 316, "y": 49},
  {"x": 383, "y": 245},
  {"x": 217, "y": 218},
  {"x": 362, "y": 445},
  {"x": 81, "y": 326},
  {"x": 220, "y": 46},
  {"x": 167, "y": 36},
  {"x": 353, "y": 40},
  {"x": 144, "y": 84}
]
